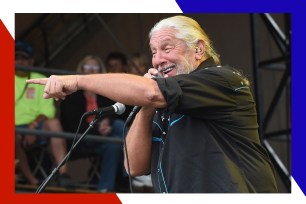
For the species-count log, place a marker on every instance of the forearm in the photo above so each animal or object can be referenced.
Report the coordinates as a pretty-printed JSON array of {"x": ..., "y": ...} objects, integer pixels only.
[
  {"x": 125, "y": 88},
  {"x": 139, "y": 143}
]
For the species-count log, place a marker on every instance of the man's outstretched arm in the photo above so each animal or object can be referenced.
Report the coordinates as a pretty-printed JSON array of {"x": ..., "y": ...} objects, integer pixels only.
[{"x": 125, "y": 88}]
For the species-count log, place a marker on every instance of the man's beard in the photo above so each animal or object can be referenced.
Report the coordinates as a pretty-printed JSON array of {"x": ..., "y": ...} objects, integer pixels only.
[{"x": 185, "y": 67}]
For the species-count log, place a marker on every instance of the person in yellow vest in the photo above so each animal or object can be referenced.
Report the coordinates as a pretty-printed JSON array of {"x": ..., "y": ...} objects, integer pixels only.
[{"x": 34, "y": 113}]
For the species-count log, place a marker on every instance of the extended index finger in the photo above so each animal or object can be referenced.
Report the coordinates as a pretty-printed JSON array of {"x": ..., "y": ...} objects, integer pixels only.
[{"x": 42, "y": 81}]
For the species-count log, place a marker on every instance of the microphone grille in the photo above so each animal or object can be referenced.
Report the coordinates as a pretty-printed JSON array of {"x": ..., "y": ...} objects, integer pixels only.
[{"x": 120, "y": 108}]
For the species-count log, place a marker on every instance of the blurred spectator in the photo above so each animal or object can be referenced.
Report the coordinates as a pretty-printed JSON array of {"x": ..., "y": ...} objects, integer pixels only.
[
  {"x": 138, "y": 64},
  {"x": 116, "y": 62},
  {"x": 33, "y": 112},
  {"x": 74, "y": 106}
]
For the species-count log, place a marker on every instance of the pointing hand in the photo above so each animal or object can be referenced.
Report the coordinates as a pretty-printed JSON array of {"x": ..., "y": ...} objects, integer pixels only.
[{"x": 57, "y": 87}]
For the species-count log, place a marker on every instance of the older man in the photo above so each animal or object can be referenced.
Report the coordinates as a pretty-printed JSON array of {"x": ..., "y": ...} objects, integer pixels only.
[{"x": 197, "y": 129}]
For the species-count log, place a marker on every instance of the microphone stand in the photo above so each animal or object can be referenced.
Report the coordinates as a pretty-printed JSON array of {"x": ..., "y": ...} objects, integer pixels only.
[{"x": 56, "y": 169}]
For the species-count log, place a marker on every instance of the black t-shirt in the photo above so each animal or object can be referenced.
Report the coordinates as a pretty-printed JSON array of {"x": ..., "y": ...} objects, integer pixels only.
[{"x": 206, "y": 140}]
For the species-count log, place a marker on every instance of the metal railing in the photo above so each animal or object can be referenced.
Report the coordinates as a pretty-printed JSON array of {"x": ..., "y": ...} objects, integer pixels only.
[{"x": 66, "y": 135}]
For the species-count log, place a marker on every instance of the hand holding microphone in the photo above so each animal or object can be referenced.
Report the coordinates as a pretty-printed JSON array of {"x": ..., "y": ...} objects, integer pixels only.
[{"x": 154, "y": 73}]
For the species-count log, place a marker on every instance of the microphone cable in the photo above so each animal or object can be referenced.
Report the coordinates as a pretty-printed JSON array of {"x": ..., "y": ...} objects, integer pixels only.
[
  {"x": 44, "y": 183},
  {"x": 127, "y": 157},
  {"x": 73, "y": 145},
  {"x": 127, "y": 123},
  {"x": 76, "y": 134}
]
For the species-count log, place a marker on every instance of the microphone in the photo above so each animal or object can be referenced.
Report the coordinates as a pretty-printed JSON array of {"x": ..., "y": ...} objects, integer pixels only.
[
  {"x": 117, "y": 108},
  {"x": 132, "y": 115}
]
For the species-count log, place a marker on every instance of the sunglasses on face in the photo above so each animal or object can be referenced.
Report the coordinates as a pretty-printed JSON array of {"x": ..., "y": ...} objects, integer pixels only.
[{"x": 88, "y": 67}]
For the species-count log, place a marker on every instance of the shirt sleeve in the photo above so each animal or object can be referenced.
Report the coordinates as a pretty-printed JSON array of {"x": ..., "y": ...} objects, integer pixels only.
[{"x": 203, "y": 93}]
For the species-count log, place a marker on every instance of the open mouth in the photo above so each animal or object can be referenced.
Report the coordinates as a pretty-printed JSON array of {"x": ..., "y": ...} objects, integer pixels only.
[{"x": 167, "y": 70}]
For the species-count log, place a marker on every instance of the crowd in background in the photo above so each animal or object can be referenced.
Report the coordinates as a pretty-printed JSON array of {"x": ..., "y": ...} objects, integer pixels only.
[{"x": 33, "y": 112}]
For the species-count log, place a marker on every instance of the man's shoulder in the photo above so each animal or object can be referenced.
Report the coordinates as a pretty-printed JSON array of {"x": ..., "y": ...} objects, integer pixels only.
[{"x": 220, "y": 70}]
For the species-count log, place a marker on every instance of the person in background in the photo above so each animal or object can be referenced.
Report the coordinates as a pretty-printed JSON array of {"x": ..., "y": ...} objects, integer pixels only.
[
  {"x": 34, "y": 113},
  {"x": 138, "y": 64},
  {"x": 116, "y": 62},
  {"x": 72, "y": 109},
  {"x": 197, "y": 130}
]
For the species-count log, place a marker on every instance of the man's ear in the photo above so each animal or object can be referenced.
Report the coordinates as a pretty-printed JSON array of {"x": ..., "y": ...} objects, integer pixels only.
[{"x": 200, "y": 50}]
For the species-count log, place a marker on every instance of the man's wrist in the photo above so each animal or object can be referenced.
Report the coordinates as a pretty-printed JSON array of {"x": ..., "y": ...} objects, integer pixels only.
[{"x": 147, "y": 111}]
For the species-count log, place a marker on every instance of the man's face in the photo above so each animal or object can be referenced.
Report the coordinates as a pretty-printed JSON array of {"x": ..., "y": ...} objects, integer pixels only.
[
  {"x": 115, "y": 66},
  {"x": 170, "y": 55}
]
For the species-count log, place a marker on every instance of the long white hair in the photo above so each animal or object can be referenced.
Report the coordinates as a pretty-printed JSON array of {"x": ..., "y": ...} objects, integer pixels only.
[{"x": 188, "y": 30}]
